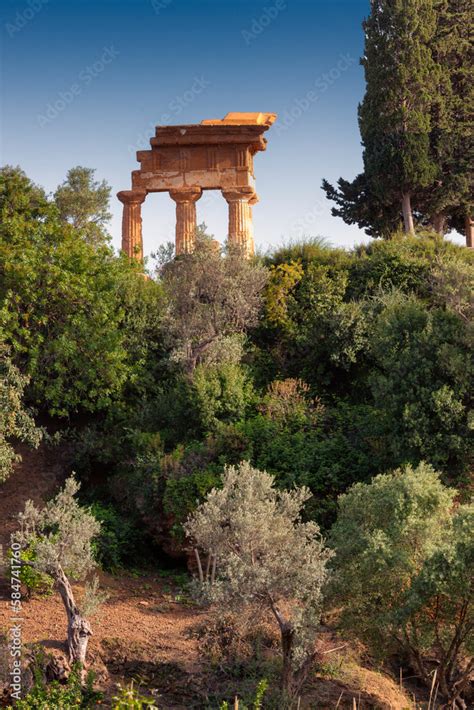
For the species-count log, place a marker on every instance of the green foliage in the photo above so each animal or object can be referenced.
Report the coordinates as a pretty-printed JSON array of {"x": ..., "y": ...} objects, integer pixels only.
[
  {"x": 130, "y": 698},
  {"x": 182, "y": 494},
  {"x": 345, "y": 444},
  {"x": 16, "y": 421},
  {"x": 422, "y": 381},
  {"x": 119, "y": 540},
  {"x": 222, "y": 393},
  {"x": 35, "y": 581},
  {"x": 257, "y": 703},
  {"x": 58, "y": 696},
  {"x": 20, "y": 199},
  {"x": 75, "y": 316},
  {"x": 404, "y": 564},
  {"x": 84, "y": 203},
  {"x": 450, "y": 197}
]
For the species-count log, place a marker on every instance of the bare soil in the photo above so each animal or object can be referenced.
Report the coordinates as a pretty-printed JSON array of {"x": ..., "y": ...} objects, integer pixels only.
[{"x": 146, "y": 629}]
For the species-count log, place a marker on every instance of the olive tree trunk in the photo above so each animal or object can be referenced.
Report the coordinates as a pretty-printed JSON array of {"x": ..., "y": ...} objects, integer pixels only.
[{"x": 78, "y": 628}]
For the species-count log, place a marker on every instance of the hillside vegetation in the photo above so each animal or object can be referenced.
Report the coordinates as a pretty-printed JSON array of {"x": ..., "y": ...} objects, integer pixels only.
[{"x": 295, "y": 430}]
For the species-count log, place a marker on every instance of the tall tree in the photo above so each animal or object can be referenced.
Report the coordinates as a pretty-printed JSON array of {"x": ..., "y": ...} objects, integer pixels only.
[
  {"x": 394, "y": 117},
  {"x": 449, "y": 201},
  {"x": 84, "y": 203}
]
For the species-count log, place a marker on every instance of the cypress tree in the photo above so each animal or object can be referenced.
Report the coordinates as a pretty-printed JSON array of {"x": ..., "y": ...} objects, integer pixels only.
[
  {"x": 395, "y": 115},
  {"x": 449, "y": 203}
]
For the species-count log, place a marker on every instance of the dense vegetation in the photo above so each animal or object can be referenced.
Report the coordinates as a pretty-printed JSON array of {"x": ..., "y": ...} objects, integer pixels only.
[
  {"x": 296, "y": 428},
  {"x": 321, "y": 366}
]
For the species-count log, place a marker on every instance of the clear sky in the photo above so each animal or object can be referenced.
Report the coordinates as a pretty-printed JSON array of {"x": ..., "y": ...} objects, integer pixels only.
[{"x": 84, "y": 82}]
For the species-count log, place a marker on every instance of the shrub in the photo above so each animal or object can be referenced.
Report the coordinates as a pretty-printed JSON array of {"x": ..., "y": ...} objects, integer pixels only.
[
  {"x": 35, "y": 582},
  {"x": 72, "y": 695},
  {"x": 223, "y": 393},
  {"x": 403, "y": 573},
  {"x": 265, "y": 556},
  {"x": 422, "y": 382},
  {"x": 119, "y": 540},
  {"x": 130, "y": 698}
]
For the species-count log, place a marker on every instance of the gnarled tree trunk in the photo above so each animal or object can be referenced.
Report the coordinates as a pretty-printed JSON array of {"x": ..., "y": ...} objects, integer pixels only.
[
  {"x": 287, "y": 637},
  {"x": 78, "y": 628},
  {"x": 407, "y": 214}
]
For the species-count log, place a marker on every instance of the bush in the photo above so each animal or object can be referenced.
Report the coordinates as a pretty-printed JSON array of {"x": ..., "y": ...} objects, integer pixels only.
[
  {"x": 422, "y": 382},
  {"x": 403, "y": 573},
  {"x": 120, "y": 539},
  {"x": 265, "y": 555},
  {"x": 130, "y": 698},
  {"x": 222, "y": 393},
  {"x": 35, "y": 581},
  {"x": 70, "y": 696}
]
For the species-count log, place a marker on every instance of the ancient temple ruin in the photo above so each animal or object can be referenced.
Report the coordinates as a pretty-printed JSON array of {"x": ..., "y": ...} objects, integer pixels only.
[{"x": 184, "y": 161}]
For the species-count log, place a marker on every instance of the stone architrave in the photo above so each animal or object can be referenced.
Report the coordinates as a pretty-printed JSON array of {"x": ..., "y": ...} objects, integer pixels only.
[
  {"x": 186, "y": 220},
  {"x": 132, "y": 242},
  {"x": 216, "y": 154}
]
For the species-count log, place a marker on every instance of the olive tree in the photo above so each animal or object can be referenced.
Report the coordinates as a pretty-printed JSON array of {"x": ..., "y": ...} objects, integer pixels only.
[
  {"x": 263, "y": 554},
  {"x": 61, "y": 536},
  {"x": 404, "y": 574},
  {"x": 210, "y": 297}
]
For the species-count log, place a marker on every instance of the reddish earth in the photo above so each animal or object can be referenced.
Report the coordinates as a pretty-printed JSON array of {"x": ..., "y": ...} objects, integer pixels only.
[{"x": 144, "y": 629}]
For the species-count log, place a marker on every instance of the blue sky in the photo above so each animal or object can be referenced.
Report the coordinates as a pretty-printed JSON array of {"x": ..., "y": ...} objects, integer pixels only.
[{"x": 85, "y": 82}]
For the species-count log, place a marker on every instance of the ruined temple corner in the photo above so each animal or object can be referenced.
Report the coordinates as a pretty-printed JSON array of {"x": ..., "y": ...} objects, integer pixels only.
[{"x": 216, "y": 154}]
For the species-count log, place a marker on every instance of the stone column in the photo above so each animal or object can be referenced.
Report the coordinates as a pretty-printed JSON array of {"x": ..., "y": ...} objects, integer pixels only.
[
  {"x": 185, "y": 198},
  {"x": 240, "y": 200},
  {"x": 132, "y": 241}
]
